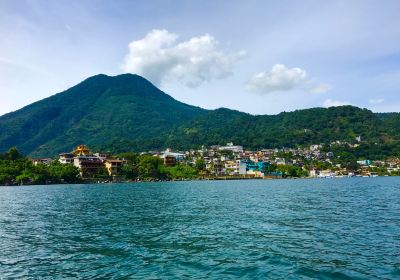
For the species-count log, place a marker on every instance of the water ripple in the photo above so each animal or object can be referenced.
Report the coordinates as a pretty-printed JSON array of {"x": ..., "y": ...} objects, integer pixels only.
[{"x": 284, "y": 229}]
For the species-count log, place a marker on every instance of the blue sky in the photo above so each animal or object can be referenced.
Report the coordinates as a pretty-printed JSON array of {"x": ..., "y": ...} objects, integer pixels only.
[{"x": 261, "y": 57}]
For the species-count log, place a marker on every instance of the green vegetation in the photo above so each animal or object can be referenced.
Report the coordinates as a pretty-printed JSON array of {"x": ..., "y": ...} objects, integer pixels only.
[
  {"x": 147, "y": 167},
  {"x": 127, "y": 113},
  {"x": 103, "y": 112},
  {"x": 16, "y": 169},
  {"x": 180, "y": 171},
  {"x": 298, "y": 128},
  {"x": 288, "y": 170}
]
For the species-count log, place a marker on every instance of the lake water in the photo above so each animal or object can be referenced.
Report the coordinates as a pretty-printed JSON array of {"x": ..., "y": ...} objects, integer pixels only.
[{"x": 253, "y": 229}]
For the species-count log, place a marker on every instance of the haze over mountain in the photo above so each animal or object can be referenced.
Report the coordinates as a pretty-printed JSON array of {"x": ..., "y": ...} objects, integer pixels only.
[{"x": 128, "y": 113}]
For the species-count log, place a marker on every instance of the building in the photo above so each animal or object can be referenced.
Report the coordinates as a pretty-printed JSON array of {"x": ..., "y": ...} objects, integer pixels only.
[
  {"x": 66, "y": 158},
  {"x": 102, "y": 156},
  {"x": 255, "y": 174},
  {"x": 42, "y": 161},
  {"x": 114, "y": 166},
  {"x": 242, "y": 168},
  {"x": 81, "y": 150},
  {"x": 263, "y": 166},
  {"x": 280, "y": 161},
  {"x": 232, "y": 148},
  {"x": 235, "y": 167},
  {"x": 81, "y": 157},
  {"x": 251, "y": 166},
  {"x": 171, "y": 158},
  {"x": 366, "y": 162},
  {"x": 88, "y": 165},
  {"x": 326, "y": 174},
  {"x": 313, "y": 173}
]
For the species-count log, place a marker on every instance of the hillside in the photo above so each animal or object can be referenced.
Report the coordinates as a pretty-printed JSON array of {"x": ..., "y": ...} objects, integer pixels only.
[
  {"x": 380, "y": 133},
  {"x": 127, "y": 112},
  {"x": 310, "y": 126},
  {"x": 100, "y": 110}
]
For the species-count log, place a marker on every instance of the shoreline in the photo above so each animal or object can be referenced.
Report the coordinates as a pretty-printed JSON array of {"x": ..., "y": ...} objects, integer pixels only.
[{"x": 192, "y": 180}]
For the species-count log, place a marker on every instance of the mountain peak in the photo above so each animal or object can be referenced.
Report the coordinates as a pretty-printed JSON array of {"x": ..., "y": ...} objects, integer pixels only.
[
  {"x": 127, "y": 112},
  {"x": 126, "y": 77},
  {"x": 99, "y": 110}
]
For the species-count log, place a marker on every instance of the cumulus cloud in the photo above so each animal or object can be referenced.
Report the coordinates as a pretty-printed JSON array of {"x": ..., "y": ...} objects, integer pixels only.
[
  {"x": 281, "y": 78},
  {"x": 375, "y": 101},
  {"x": 334, "y": 103},
  {"x": 158, "y": 56}
]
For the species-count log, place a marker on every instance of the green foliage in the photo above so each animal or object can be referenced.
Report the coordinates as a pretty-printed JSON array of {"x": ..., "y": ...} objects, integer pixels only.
[
  {"x": 179, "y": 171},
  {"x": 148, "y": 167},
  {"x": 13, "y": 154},
  {"x": 127, "y": 112},
  {"x": 103, "y": 112},
  {"x": 302, "y": 127},
  {"x": 200, "y": 165},
  {"x": 289, "y": 170},
  {"x": 129, "y": 156},
  {"x": 318, "y": 165},
  {"x": 17, "y": 169},
  {"x": 64, "y": 172},
  {"x": 129, "y": 171}
]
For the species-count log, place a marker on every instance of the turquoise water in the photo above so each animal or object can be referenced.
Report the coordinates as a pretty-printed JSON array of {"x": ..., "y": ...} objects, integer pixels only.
[{"x": 255, "y": 229}]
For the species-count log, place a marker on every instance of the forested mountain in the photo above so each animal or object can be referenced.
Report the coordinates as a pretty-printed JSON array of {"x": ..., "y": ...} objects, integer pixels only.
[
  {"x": 317, "y": 125},
  {"x": 128, "y": 113},
  {"x": 98, "y": 111}
]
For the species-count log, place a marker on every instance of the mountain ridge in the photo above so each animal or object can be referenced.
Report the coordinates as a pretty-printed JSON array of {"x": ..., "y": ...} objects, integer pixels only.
[{"x": 127, "y": 112}]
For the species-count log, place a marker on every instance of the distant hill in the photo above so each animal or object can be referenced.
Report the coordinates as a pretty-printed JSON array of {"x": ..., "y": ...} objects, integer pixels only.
[{"x": 128, "y": 113}]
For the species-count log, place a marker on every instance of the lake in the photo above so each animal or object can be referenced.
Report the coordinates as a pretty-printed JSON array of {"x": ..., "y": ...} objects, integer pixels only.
[{"x": 251, "y": 229}]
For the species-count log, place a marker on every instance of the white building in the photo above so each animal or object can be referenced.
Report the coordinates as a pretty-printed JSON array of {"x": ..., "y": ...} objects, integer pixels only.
[
  {"x": 42, "y": 161},
  {"x": 66, "y": 158},
  {"x": 280, "y": 161},
  {"x": 169, "y": 153},
  {"x": 231, "y": 147}
]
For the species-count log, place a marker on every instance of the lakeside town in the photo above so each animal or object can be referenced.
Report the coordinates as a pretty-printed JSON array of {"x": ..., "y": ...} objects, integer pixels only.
[
  {"x": 217, "y": 162},
  {"x": 226, "y": 162}
]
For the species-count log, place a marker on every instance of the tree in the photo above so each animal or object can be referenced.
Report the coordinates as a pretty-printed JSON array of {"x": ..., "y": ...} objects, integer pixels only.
[
  {"x": 130, "y": 157},
  {"x": 199, "y": 164},
  {"x": 148, "y": 167},
  {"x": 129, "y": 171},
  {"x": 63, "y": 173},
  {"x": 13, "y": 154}
]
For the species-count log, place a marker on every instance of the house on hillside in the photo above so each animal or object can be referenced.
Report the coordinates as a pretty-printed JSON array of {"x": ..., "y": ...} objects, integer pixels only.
[
  {"x": 232, "y": 148},
  {"x": 37, "y": 161},
  {"x": 171, "y": 158}
]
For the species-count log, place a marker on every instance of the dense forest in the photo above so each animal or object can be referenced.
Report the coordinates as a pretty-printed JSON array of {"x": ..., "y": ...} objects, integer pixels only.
[{"x": 128, "y": 113}]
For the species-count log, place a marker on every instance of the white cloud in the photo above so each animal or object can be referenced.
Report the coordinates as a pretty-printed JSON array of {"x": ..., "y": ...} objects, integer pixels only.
[
  {"x": 158, "y": 57},
  {"x": 335, "y": 103},
  {"x": 375, "y": 101},
  {"x": 281, "y": 78}
]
